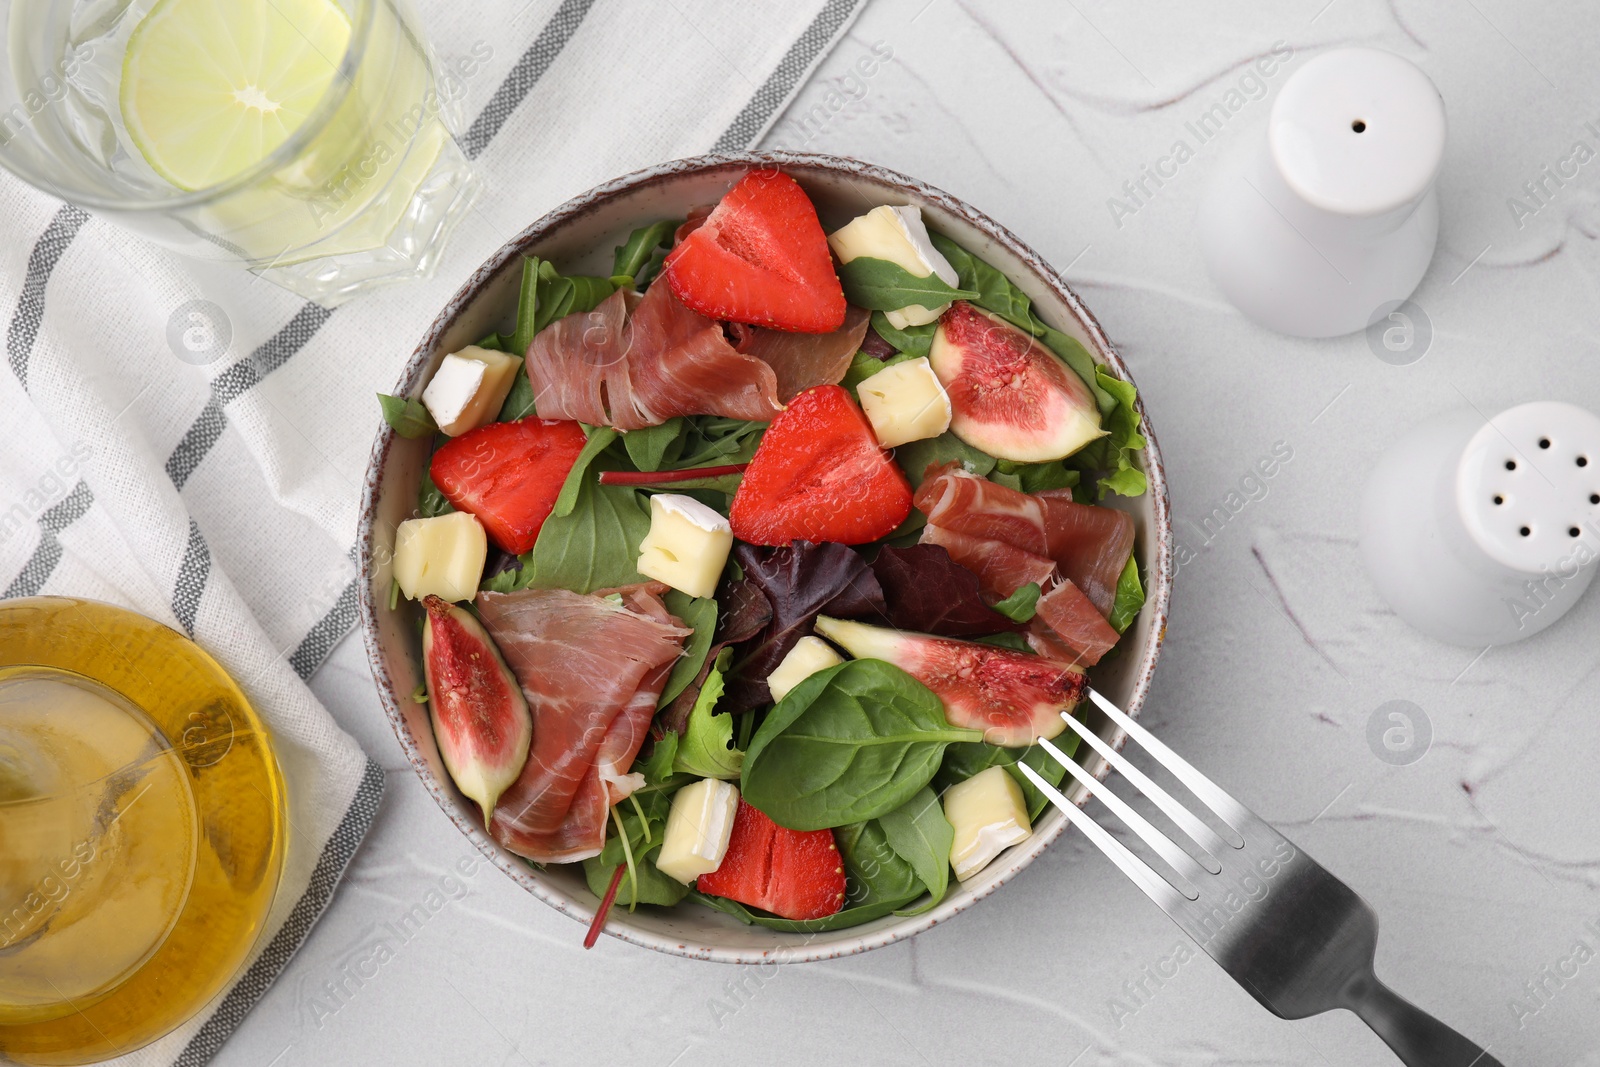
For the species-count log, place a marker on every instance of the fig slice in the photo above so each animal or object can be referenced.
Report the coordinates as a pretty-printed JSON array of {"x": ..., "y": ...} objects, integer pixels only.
[
  {"x": 479, "y": 714},
  {"x": 1015, "y": 698},
  {"x": 1009, "y": 395}
]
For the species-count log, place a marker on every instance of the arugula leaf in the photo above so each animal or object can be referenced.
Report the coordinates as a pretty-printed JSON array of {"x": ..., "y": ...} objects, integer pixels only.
[
  {"x": 928, "y": 592},
  {"x": 430, "y": 501},
  {"x": 600, "y": 438},
  {"x": 916, "y": 457},
  {"x": 657, "y": 766},
  {"x": 701, "y": 614},
  {"x": 714, "y": 440},
  {"x": 912, "y": 341},
  {"x": 839, "y": 920},
  {"x": 594, "y": 546},
  {"x": 848, "y": 743},
  {"x": 800, "y": 581},
  {"x": 1129, "y": 598},
  {"x": 881, "y": 285},
  {"x": 1020, "y": 605},
  {"x": 921, "y": 835},
  {"x": 632, "y": 256},
  {"x": 655, "y": 446},
  {"x": 706, "y": 749},
  {"x": 547, "y": 295},
  {"x": 407, "y": 417}
]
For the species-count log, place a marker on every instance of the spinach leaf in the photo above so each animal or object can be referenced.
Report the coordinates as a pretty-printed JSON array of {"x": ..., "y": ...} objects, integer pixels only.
[
  {"x": 1129, "y": 597},
  {"x": 847, "y": 744},
  {"x": 701, "y": 614},
  {"x": 916, "y": 457},
  {"x": 430, "y": 501},
  {"x": 864, "y": 365},
  {"x": 494, "y": 343},
  {"x": 840, "y": 920},
  {"x": 654, "y": 446},
  {"x": 1015, "y": 642},
  {"x": 600, "y": 438},
  {"x": 912, "y": 341},
  {"x": 884, "y": 286},
  {"x": 921, "y": 835},
  {"x": 546, "y": 295},
  {"x": 706, "y": 749},
  {"x": 632, "y": 256},
  {"x": 992, "y": 290},
  {"x": 874, "y": 871},
  {"x": 407, "y": 417},
  {"x": 1038, "y": 477},
  {"x": 800, "y": 580},
  {"x": 1020, "y": 605},
  {"x": 595, "y": 546},
  {"x": 520, "y": 401},
  {"x": 928, "y": 592},
  {"x": 962, "y": 761}
]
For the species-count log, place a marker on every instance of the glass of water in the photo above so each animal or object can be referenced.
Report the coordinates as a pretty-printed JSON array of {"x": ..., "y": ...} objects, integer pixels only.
[{"x": 305, "y": 139}]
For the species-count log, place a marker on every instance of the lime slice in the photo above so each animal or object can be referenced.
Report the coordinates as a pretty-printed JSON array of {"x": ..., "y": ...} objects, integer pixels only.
[{"x": 210, "y": 88}]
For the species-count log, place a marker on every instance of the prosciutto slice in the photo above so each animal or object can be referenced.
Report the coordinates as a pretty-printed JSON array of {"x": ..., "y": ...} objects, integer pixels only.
[
  {"x": 592, "y": 670},
  {"x": 1075, "y": 552},
  {"x": 802, "y": 360},
  {"x": 636, "y": 361},
  {"x": 1068, "y": 627}
]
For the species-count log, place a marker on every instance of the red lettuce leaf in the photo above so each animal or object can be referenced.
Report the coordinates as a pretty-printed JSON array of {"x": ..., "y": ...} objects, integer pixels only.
[
  {"x": 800, "y": 581},
  {"x": 931, "y": 593}
]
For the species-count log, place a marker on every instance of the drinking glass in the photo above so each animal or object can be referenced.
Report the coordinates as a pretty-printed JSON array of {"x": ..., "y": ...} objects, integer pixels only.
[
  {"x": 305, "y": 139},
  {"x": 141, "y": 830}
]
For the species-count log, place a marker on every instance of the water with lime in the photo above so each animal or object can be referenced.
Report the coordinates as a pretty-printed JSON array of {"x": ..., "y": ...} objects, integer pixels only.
[{"x": 307, "y": 138}]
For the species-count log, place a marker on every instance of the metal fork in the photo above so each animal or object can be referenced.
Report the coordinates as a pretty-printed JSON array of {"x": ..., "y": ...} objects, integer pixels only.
[{"x": 1294, "y": 936}]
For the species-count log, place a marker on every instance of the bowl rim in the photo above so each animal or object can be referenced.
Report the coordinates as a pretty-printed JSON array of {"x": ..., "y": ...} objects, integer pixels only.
[{"x": 1159, "y": 581}]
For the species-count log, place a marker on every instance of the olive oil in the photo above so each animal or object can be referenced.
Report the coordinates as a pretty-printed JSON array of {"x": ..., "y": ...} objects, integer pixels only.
[{"x": 141, "y": 830}]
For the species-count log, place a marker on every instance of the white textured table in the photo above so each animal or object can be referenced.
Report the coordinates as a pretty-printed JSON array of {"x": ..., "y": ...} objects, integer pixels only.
[{"x": 1481, "y": 858}]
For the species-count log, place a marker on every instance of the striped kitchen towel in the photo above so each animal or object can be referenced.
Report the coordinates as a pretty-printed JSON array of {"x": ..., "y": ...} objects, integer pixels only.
[{"x": 221, "y": 497}]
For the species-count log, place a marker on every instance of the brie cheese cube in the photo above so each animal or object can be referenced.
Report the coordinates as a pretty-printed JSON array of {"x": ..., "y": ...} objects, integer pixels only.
[
  {"x": 905, "y": 402},
  {"x": 807, "y": 657},
  {"x": 698, "y": 829},
  {"x": 988, "y": 815},
  {"x": 468, "y": 388},
  {"x": 442, "y": 556},
  {"x": 899, "y": 236},
  {"x": 687, "y": 546}
]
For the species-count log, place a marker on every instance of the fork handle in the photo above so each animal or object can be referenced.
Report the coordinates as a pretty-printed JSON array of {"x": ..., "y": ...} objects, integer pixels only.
[{"x": 1417, "y": 1038}]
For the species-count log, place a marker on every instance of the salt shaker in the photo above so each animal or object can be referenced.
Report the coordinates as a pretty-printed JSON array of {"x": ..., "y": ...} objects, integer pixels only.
[
  {"x": 1330, "y": 215},
  {"x": 1482, "y": 533}
]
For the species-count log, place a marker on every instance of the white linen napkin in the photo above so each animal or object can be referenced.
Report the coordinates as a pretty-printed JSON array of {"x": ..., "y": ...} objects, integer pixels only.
[{"x": 221, "y": 498}]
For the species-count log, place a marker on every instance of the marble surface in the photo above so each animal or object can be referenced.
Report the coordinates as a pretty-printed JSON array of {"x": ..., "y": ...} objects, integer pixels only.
[{"x": 1481, "y": 857}]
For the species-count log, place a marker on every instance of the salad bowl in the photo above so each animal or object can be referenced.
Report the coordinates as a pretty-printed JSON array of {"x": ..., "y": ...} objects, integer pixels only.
[{"x": 581, "y": 235}]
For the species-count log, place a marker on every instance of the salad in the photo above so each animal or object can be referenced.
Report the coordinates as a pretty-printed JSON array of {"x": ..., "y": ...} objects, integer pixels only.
[{"x": 751, "y": 571}]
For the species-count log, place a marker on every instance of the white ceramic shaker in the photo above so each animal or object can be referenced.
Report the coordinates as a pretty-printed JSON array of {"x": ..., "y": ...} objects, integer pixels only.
[
  {"x": 1331, "y": 214},
  {"x": 1481, "y": 533}
]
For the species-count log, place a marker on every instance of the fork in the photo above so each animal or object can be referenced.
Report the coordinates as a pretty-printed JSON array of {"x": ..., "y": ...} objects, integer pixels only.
[{"x": 1295, "y": 937}]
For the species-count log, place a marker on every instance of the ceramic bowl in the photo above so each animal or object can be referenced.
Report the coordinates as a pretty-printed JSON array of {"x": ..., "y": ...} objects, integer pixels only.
[{"x": 579, "y": 236}]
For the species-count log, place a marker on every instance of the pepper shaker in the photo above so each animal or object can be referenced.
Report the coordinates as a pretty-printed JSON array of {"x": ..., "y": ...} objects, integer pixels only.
[
  {"x": 1331, "y": 214},
  {"x": 1482, "y": 533}
]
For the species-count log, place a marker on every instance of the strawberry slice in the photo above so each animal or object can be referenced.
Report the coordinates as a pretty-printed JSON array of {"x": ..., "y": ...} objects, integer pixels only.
[
  {"x": 760, "y": 257},
  {"x": 509, "y": 474},
  {"x": 819, "y": 475},
  {"x": 794, "y": 874}
]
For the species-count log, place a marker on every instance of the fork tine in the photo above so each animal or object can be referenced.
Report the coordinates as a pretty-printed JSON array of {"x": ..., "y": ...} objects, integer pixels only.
[
  {"x": 1235, "y": 814},
  {"x": 1155, "y": 887},
  {"x": 1180, "y": 861},
  {"x": 1212, "y": 846}
]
